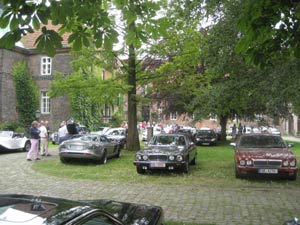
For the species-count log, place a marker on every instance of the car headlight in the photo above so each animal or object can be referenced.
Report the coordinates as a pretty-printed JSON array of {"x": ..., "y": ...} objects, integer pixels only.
[
  {"x": 293, "y": 163},
  {"x": 285, "y": 163},
  {"x": 171, "y": 157},
  {"x": 145, "y": 157},
  {"x": 242, "y": 162},
  {"x": 179, "y": 158},
  {"x": 138, "y": 157},
  {"x": 249, "y": 162}
]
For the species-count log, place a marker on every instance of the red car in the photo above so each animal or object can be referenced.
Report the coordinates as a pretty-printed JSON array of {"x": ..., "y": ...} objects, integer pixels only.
[{"x": 264, "y": 154}]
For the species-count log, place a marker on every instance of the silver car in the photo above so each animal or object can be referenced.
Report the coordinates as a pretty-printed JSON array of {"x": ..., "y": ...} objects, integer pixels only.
[{"x": 89, "y": 146}]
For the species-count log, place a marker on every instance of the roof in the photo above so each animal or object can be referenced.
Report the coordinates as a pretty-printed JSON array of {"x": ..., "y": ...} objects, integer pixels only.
[{"x": 28, "y": 41}]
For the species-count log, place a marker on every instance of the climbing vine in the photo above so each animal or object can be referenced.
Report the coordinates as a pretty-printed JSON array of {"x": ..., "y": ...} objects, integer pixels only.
[{"x": 27, "y": 94}]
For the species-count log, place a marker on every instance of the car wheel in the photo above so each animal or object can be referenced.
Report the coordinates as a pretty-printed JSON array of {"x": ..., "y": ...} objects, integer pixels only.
[
  {"x": 104, "y": 158},
  {"x": 27, "y": 146},
  {"x": 293, "y": 177},
  {"x": 186, "y": 167},
  {"x": 193, "y": 162},
  {"x": 118, "y": 151},
  {"x": 64, "y": 160},
  {"x": 237, "y": 174},
  {"x": 140, "y": 170}
]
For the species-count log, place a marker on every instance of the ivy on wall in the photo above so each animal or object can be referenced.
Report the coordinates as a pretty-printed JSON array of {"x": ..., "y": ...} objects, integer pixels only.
[{"x": 27, "y": 94}]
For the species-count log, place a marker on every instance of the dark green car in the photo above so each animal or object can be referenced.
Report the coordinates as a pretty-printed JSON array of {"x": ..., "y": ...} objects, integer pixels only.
[{"x": 167, "y": 152}]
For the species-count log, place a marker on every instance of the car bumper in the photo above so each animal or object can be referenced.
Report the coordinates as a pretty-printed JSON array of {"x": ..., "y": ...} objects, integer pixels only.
[
  {"x": 159, "y": 165},
  {"x": 79, "y": 155},
  {"x": 280, "y": 172}
]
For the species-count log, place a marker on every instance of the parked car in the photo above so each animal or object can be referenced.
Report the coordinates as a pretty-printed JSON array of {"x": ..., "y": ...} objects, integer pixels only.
[
  {"x": 80, "y": 129},
  {"x": 42, "y": 210},
  {"x": 10, "y": 140},
  {"x": 264, "y": 154},
  {"x": 206, "y": 137},
  {"x": 166, "y": 152},
  {"x": 101, "y": 130},
  {"x": 273, "y": 130},
  {"x": 118, "y": 135},
  {"x": 156, "y": 130},
  {"x": 89, "y": 146}
]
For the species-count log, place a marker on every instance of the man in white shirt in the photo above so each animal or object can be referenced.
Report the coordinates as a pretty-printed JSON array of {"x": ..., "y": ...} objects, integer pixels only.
[
  {"x": 62, "y": 132},
  {"x": 44, "y": 139}
]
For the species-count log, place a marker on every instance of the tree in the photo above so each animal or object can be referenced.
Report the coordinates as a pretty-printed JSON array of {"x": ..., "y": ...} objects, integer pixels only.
[
  {"x": 87, "y": 21},
  {"x": 268, "y": 29},
  {"x": 26, "y": 93},
  {"x": 87, "y": 91}
]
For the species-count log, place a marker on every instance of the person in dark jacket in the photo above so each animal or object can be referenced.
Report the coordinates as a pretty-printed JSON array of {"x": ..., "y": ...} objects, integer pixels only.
[{"x": 34, "y": 139}]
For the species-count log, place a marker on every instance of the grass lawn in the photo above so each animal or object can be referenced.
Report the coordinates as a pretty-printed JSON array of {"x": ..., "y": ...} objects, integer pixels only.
[{"x": 214, "y": 167}]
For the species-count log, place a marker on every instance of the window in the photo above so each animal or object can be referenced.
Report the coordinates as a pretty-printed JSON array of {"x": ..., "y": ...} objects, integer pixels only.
[
  {"x": 45, "y": 102},
  {"x": 107, "y": 112},
  {"x": 46, "y": 65},
  {"x": 173, "y": 116}
]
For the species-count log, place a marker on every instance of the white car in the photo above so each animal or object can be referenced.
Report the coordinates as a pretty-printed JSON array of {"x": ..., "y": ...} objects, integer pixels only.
[
  {"x": 101, "y": 130},
  {"x": 273, "y": 130},
  {"x": 10, "y": 140},
  {"x": 156, "y": 130},
  {"x": 118, "y": 134}
]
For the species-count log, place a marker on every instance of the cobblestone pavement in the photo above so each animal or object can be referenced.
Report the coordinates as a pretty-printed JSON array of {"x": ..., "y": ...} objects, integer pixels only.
[{"x": 197, "y": 204}]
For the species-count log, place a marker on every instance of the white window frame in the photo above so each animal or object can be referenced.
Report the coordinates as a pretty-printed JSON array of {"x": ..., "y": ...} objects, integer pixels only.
[
  {"x": 173, "y": 116},
  {"x": 45, "y": 102},
  {"x": 46, "y": 65}
]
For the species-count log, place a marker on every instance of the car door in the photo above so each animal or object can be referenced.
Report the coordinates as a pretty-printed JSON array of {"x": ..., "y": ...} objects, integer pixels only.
[
  {"x": 191, "y": 148},
  {"x": 109, "y": 146}
]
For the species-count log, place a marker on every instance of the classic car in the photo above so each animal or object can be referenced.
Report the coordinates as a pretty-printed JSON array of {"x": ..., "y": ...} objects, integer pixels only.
[
  {"x": 205, "y": 137},
  {"x": 44, "y": 210},
  {"x": 89, "y": 146},
  {"x": 10, "y": 140},
  {"x": 264, "y": 154},
  {"x": 166, "y": 152},
  {"x": 118, "y": 134}
]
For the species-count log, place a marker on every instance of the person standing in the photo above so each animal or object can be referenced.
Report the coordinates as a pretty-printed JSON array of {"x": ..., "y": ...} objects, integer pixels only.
[
  {"x": 44, "y": 140},
  {"x": 34, "y": 140},
  {"x": 62, "y": 132}
]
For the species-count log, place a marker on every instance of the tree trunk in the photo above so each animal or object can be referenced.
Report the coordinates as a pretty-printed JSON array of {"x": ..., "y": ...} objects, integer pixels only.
[
  {"x": 133, "y": 143},
  {"x": 223, "y": 123}
]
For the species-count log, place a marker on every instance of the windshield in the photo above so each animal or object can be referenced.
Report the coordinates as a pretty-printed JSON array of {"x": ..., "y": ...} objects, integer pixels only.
[
  {"x": 262, "y": 142},
  {"x": 167, "y": 140}
]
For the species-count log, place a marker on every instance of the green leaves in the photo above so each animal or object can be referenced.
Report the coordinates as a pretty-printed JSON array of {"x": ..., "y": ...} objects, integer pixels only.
[{"x": 48, "y": 42}]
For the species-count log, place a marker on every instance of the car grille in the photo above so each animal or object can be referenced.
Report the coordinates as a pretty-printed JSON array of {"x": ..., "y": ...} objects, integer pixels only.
[
  {"x": 267, "y": 163},
  {"x": 158, "y": 157}
]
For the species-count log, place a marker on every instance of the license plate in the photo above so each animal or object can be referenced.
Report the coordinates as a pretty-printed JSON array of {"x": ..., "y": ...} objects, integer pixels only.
[
  {"x": 158, "y": 165},
  {"x": 75, "y": 147},
  {"x": 272, "y": 171}
]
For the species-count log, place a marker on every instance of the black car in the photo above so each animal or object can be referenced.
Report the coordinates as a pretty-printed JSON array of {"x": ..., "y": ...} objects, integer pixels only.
[
  {"x": 206, "y": 137},
  {"x": 31, "y": 210},
  {"x": 167, "y": 152}
]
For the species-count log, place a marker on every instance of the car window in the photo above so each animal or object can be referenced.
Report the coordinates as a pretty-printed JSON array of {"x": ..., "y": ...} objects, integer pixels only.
[
  {"x": 99, "y": 220},
  {"x": 167, "y": 140},
  {"x": 261, "y": 142}
]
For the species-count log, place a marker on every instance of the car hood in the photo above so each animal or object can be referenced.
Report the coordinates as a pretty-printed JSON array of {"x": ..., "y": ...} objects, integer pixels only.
[
  {"x": 270, "y": 153},
  {"x": 44, "y": 210},
  {"x": 167, "y": 149}
]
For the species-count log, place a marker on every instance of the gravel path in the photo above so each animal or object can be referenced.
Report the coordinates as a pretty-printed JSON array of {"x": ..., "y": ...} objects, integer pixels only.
[{"x": 198, "y": 204}]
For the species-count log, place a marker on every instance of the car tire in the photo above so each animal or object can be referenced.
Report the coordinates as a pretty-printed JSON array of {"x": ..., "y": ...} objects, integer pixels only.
[
  {"x": 27, "y": 146},
  {"x": 237, "y": 174},
  {"x": 104, "y": 158},
  {"x": 118, "y": 150},
  {"x": 140, "y": 170},
  {"x": 186, "y": 167},
  {"x": 64, "y": 160},
  {"x": 293, "y": 177},
  {"x": 193, "y": 162}
]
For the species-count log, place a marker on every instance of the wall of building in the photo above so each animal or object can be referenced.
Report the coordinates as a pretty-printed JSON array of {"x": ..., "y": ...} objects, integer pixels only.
[{"x": 7, "y": 90}]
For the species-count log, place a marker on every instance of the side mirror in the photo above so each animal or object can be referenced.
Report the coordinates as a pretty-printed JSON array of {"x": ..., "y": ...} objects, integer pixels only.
[
  {"x": 290, "y": 145},
  {"x": 233, "y": 144}
]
